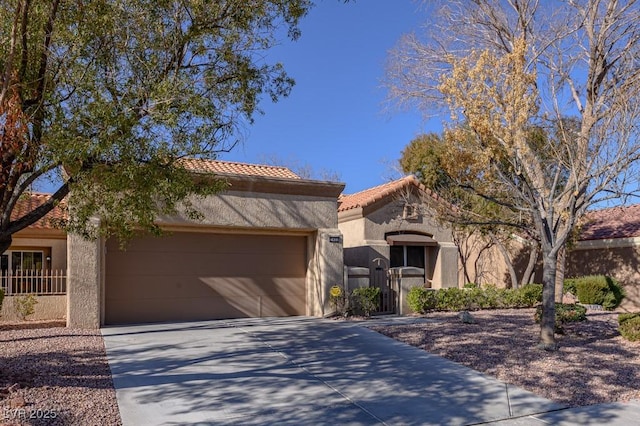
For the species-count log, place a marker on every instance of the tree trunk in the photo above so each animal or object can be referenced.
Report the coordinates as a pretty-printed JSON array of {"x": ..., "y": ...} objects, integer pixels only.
[
  {"x": 507, "y": 261},
  {"x": 560, "y": 274},
  {"x": 548, "y": 320},
  {"x": 5, "y": 243},
  {"x": 529, "y": 273}
]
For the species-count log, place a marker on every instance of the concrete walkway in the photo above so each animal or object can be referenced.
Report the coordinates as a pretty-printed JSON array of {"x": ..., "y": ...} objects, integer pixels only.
[{"x": 307, "y": 371}]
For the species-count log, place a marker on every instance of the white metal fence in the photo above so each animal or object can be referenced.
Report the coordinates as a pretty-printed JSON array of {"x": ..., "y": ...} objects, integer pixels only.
[{"x": 41, "y": 282}]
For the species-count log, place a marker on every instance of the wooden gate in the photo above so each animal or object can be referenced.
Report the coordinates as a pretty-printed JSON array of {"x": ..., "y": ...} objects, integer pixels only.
[{"x": 381, "y": 278}]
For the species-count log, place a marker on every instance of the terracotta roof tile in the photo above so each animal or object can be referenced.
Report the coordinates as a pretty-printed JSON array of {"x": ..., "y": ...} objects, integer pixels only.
[
  {"x": 614, "y": 222},
  {"x": 233, "y": 168},
  {"x": 369, "y": 196},
  {"x": 28, "y": 202}
]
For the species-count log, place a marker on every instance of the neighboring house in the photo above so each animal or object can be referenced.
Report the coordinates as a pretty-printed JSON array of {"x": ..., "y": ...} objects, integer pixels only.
[
  {"x": 390, "y": 226},
  {"x": 36, "y": 262},
  {"x": 267, "y": 246},
  {"x": 609, "y": 243}
]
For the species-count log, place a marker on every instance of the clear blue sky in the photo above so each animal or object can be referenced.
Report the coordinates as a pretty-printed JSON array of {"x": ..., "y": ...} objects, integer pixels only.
[{"x": 334, "y": 119}]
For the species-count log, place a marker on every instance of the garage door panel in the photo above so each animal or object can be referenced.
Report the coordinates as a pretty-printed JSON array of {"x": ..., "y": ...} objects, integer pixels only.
[
  {"x": 127, "y": 287},
  {"x": 190, "y": 276},
  {"x": 223, "y": 243},
  {"x": 198, "y": 264},
  {"x": 125, "y": 311}
]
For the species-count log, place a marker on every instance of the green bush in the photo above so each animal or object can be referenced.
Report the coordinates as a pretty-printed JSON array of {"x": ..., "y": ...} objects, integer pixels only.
[
  {"x": 452, "y": 299},
  {"x": 597, "y": 290},
  {"x": 490, "y": 297},
  {"x": 421, "y": 300},
  {"x": 627, "y": 316},
  {"x": 530, "y": 294},
  {"x": 367, "y": 299},
  {"x": 569, "y": 286},
  {"x": 629, "y": 326},
  {"x": 564, "y": 313},
  {"x": 25, "y": 305},
  {"x": 484, "y": 298}
]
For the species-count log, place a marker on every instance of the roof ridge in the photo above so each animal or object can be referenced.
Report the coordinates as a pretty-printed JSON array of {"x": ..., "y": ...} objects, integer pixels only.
[
  {"x": 241, "y": 163},
  {"x": 378, "y": 192},
  {"x": 223, "y": 167}
]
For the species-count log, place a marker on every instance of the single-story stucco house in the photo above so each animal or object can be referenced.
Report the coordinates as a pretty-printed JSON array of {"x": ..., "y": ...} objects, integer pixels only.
[
  {"x": 389, "y": 228},
  {"x": 272, "y": 244},
  {"x": 269, "y": 245}
]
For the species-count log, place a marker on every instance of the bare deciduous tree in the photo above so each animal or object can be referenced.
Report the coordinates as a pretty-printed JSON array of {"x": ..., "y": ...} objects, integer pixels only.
[{"x": 504, "y": 67}]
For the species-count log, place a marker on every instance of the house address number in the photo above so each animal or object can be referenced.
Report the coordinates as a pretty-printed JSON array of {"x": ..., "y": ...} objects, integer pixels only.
[{"x": 334, "y": 239}]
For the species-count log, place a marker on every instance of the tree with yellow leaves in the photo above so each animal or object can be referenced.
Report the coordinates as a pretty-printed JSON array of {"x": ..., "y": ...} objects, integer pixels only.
[{"x": 501, "y": 68}]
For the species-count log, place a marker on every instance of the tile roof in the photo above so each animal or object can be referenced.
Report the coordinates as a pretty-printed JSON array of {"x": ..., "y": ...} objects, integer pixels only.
[
  {"x": 369, "y": 196},
  {"x": 29, "y": 202},
  {"x": 233, "y": 168},
  {"x": 613, "y": 222}
]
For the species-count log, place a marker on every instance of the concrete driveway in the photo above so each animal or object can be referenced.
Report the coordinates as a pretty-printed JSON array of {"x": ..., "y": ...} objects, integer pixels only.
[{"x": 299, "y": 371}]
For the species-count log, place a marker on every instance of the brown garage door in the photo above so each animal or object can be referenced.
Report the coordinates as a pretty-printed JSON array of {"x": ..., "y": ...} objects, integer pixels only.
[{"x": 195, "y": 276}]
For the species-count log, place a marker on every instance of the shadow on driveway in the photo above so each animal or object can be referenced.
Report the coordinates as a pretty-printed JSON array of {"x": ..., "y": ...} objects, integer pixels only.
[{"x": 298, "y": 371}]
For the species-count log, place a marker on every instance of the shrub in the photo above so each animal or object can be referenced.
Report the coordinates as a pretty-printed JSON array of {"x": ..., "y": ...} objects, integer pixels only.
[
  {"x": 484, "y": 298},
  {"x": 526, "y": 296},
  {"x": 489, "y": 297},
  {"x": 510, "y": 298},
  {"x": 598, "y": 290},
  {"x": 25, "y": 305},
  {"x": 629, "y": 326},
  {"x": 452, "y": 299},
  {"x": 564, "y": 313},
  {"x": 530, "y": 294},
  {"x": 471, "y": 285},
  {"x": 569, "y": 286},
  {"x": 627, "y": 316},
  {"x": 421, "y": 300},
  {"x": 367, "y": 299}
]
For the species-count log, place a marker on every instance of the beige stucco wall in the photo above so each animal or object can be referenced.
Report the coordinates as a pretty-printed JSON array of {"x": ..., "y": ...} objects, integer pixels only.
[
  {"x": 84, "y": 280},
  {"x": 325, "y": 270},
  {"x": 364, "y": 238},
  {"x": 232, "y": 211},
  {"x": 619, "y": 259},
  {"x": 55, "y": 246},
  {"x": 256, "y": 210},
  {"x": 388, "y": 218},
  {"x": 47, "y": 308},
  {"x": 353, "y": 232},
  {"x": 481, "y": 262}
]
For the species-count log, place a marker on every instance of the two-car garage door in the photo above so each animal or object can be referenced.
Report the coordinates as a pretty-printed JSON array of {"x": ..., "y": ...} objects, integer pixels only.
[{"x": 196, "y": 276}]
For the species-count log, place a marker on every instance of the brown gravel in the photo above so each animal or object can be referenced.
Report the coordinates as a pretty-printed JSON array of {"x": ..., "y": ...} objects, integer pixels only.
[
  {"x": 55, "y": 376},
  {"x": 594, "y": 363}
]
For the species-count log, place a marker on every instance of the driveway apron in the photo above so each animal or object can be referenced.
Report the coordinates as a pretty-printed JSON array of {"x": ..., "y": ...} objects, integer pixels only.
[{"x": 296, "y": 371}]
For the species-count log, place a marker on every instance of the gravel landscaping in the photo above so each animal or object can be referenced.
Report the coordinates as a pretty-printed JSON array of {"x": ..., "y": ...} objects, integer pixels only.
[
  {"x": 53, "y": 375},
  {"x": 594, "y": 363}
]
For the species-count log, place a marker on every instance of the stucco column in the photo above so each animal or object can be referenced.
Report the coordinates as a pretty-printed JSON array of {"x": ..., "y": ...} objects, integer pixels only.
[
  {"x": 446, "y": 269},
  {"x": 328, "y": 265},
  {"x": 83, "y": 282}
]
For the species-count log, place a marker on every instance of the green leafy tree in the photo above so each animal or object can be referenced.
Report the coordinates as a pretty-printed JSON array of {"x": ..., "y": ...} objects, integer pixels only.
[
  {"x": 440, "y": 165},
  {"x": 504, "y": 67},
  {"x": 104, "y": 98}
]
